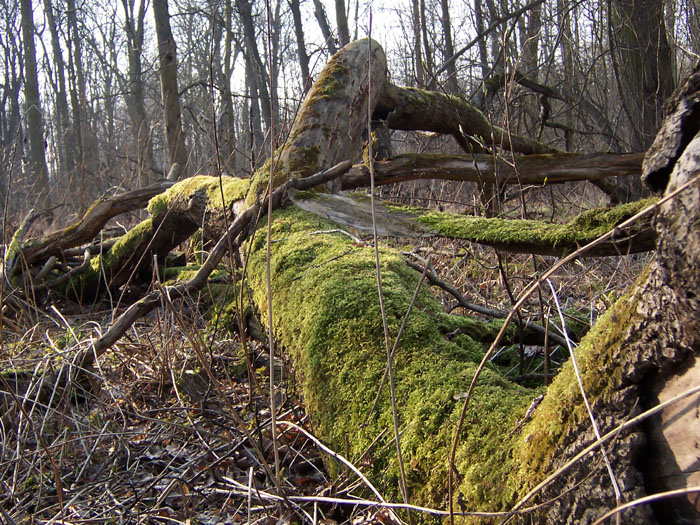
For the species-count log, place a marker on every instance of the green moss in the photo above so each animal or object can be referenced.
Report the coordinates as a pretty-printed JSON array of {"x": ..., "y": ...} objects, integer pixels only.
[
  {"x": 562, "y": 410},
  {"x": 303, "y": 162},
  {"x": 327, "y": 317},
  {"x": 233, "y": 189},
  {"x": 305, "y": 195},
  {"x": 331, "y": 81},
  {"x": 171, "y": 274},
  {"x": 126, "y": 244},
  {"x": 584, "y": 228}
]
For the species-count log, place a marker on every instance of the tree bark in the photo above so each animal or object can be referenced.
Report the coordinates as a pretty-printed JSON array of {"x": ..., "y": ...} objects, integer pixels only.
[
  {"x": 320, "y": 14},
  {"x": 640, "y": 48},
  {"x": 525, "y": 169},
  {"x": 451, "y": 82},
  {"x": 38, "y": 170},
  {"x": 341, "y": 18},
  {"x": 303, "y": 57},
  {"x": 167, "y": 59}
]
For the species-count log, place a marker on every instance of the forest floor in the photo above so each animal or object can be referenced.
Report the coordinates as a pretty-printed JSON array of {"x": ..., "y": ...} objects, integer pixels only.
[{"x": 171, "y": 435}]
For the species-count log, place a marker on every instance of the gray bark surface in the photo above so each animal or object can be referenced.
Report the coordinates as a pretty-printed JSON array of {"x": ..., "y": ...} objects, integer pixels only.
[{"x": 167, "y": 58}]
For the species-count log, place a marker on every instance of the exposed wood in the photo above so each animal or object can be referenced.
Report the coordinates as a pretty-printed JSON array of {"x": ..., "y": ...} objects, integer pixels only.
[
  {"x": 524, "y": 236},
  {"x": 675, "y": 443}
]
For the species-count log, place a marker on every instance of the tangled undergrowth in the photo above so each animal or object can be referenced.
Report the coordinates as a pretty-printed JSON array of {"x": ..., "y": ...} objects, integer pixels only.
[{"x": 158, "y": 443}]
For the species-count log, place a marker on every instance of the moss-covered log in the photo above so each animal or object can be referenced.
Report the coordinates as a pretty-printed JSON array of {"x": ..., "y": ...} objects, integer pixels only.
[
  {"x": 526, "y": 236},
  {"x": 410, "y": 108},
  {"x": 328, "y": 319}
]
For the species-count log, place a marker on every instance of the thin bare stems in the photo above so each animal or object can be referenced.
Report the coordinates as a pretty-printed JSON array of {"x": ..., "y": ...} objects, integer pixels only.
[
  {"x": 271, "y": 335},
  {"x": 389, "y": 353},
  {"x": 596, "y": 430}
]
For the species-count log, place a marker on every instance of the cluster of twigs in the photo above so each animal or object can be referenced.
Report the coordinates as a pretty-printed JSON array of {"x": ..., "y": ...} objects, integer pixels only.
[{"x": 157, "y": 443}]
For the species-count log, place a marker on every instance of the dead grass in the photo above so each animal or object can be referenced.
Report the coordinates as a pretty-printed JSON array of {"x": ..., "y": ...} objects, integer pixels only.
[{"x": 158, "y": 443}]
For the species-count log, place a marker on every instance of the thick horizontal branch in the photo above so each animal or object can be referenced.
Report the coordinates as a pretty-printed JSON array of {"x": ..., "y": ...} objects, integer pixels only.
[
  {"x": 514, "y": 235},
  {"x": 528, "y": 169},
  {"x": 416, "y": 109},
  {"x": 91, "y": 223}
]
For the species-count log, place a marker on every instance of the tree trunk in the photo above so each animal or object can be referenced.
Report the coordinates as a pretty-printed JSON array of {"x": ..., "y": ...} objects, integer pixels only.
[
  {"x": 66, "y": 140},
  {"x": 167, "y": 58},
  {"x": 38, "y": 171},
  {"x": 320, "y": 14},
  {"x": 451, "y": 82},
  {"x": 640, "y": 48},
  {"x": 480, "y": 27},
  {"x": 301, "y": 46},
  {"x": 261, "y": 79},
  {"x": 341, "y": 18},
  {"x": 427, "y": 49},
  {"x": 335, "y": 341},
  {"x": 228, "y": 118},
  {"x": 85, "y": 140},
  {"x": 417, "y": 54},
  {"x": 141, "y": 124}
]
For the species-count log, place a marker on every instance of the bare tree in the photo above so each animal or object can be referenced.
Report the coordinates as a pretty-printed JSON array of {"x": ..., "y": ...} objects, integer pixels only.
[
  {"x": 167, "y": 58},
  {"x": 451, "y": 82},
  {"x": 301, "y": 46},
  {"x": 134, "y": 18},
  {"x": 37, "y": 168},
  {"x": 417, "y": 54},
  {"x": 341, "y": 17},
  {"x": 260, "y": 77},
  {"x": 322, "y": 19},
  {"x": 66, "y": 136}
]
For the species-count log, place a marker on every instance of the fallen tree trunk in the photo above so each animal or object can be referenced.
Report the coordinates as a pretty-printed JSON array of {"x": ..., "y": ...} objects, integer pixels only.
[
  {"x": 515, "y": 235},
  {"x": 553, "y": 168}
]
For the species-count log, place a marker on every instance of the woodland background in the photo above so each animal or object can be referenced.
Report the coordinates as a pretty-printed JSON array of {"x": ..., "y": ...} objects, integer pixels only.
[{"x": 81, "y": 107}]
